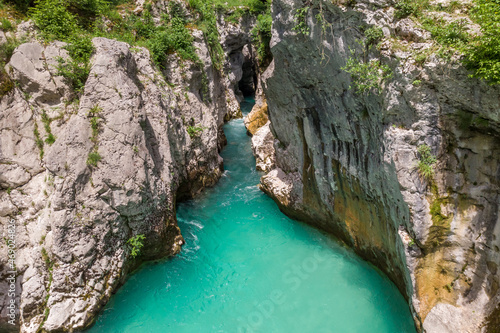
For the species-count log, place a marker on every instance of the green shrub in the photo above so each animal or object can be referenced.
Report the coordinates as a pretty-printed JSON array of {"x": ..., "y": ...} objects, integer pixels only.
[
  {"x": 174, "y": 37},
  {"x": 38, "y": 139},
  {"x": 175, "y": 9},
  {"x": 53, "y": 19},
  {"x": 207, "y": 22},
  {"x": 75, "y": 72},
  {"x": 50, "y": 139},
  {"x": 261, "y": 35},
  {"x": 447, "y": 34},
  {"x": 20, "y": 5},
  {"x": 482, "y": 53},
  {"x": 144, "y": 26},
  {"x": 136, "y": 244},
  {"x": 46, "y": 258},
  {"x": 6, "y": 25},
  {"x": 76, "y": 68},
  {"x": 366, "y": 76},
  {"x": 7, "y": 49},
  {"x": 46, "y": 124},
  {"x": 94, "y": 156},
  {"x": 94, "y": 125},
  {"x": 373, "y": 35},
  {"x": 258, "y": 6},
  {"x": 86, "y": 11},
  {"x": 6, "y": 84},
  {"x": 404, "y": 8},
  {"x": 427, "y": 160}
]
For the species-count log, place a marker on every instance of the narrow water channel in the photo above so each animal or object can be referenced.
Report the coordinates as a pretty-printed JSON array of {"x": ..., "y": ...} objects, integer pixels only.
[{"x": 246, "y": 267}]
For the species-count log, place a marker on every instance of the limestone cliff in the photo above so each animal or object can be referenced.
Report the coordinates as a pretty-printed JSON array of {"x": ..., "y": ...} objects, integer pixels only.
[
  {"x": 80, "y": 178},
  {"x": 347, "y": 162}
]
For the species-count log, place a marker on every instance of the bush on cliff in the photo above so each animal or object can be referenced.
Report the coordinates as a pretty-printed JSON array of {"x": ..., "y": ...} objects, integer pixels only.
[
  {"x": 172, "y": 37},
  {"x": 482, "y": 53},
  {"x": 261, "y": 35}
]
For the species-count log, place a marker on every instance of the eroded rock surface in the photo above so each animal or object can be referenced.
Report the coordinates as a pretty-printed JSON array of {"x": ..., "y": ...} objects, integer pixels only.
[
  {"x": 257, "y": 118},
  {"x": 263, "y": 148},
  {"x": 347, "y": 162},
  {"x": 80, "y": 178}
]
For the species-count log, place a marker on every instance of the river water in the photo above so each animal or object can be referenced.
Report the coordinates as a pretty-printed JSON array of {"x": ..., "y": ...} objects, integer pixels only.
[{"x": 246, "y": 267}]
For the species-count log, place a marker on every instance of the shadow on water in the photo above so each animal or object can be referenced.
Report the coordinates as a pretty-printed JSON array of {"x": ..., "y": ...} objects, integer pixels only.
[{"x": 246, "y": 267}]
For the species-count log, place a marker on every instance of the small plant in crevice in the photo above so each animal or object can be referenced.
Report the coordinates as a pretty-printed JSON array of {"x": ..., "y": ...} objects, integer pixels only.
[
  {"x": 94, "y": 157},
  {"x": 46, "y": 258},
  {"x": 38, "y": 139},
  {"x": 300, "y": 18},
  {"x": 427, "y": 161},
  {"x": 366, "y": 76},
  {"x": 194, "y": 131},
  {"x": 50, "y": 139},
  {"x": 136, "y": 243}
]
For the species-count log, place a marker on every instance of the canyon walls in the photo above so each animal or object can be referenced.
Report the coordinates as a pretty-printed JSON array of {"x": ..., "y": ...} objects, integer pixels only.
[
  {"x": 347, "y": 162},
  {"x": 86, "y": 180}
]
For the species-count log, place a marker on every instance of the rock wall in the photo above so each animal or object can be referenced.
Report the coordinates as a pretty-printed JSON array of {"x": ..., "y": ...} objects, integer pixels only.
[
  {"x": 347, "y": 162},
  {"x": 73, "y": 219}
]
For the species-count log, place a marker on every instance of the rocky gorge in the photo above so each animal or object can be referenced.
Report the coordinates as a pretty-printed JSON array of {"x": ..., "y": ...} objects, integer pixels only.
[
  {"x": 84, "y": 177},
  {"x": 158, "y": 139}
]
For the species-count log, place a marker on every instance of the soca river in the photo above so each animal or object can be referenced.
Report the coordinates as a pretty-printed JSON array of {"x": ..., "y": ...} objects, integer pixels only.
[{"x": 246, "y": 267}]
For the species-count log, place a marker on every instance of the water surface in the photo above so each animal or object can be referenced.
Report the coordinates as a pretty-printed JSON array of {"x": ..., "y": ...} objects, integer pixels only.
[{"x": 246, "y": 267}]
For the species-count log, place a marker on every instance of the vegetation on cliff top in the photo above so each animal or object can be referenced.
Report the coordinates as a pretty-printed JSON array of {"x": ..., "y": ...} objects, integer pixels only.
[
  {"x": 481, "y": 51},
  {"x": 449, "y": 25},
  {"x": 261, "y": 34},
  {"x": 76, "y": 22}
]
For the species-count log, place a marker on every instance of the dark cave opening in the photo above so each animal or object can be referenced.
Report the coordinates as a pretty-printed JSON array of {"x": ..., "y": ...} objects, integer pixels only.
[{"x": 248, "y": 82}]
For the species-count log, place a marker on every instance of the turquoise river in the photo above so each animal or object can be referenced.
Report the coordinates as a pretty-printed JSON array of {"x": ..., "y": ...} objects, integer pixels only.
[{"x": 246, "y": 267}]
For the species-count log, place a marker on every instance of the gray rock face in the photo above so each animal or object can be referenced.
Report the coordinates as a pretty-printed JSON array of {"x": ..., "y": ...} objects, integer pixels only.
[
  {"x": 263, "y": 148},
  {"x": 74, "y": 217},
  {"x": 347, "y": 163}
]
